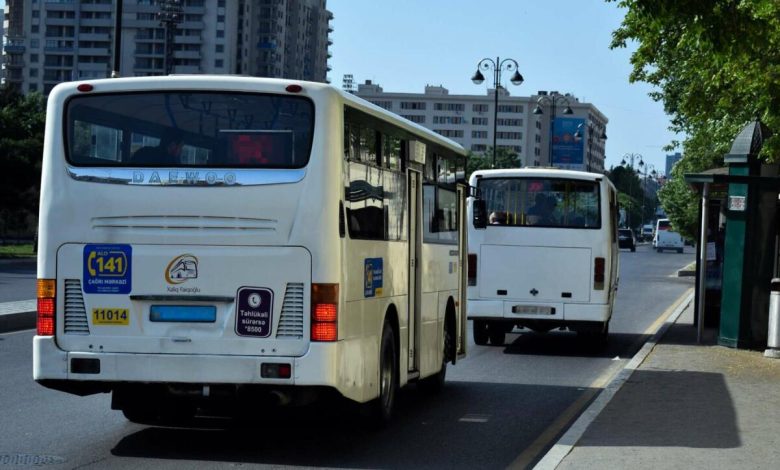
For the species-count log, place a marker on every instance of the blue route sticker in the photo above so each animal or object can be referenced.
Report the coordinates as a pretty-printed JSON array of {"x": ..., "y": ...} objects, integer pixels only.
[
  {"x": 372, "y": 277},
  {"x": 107, "y": 269}
]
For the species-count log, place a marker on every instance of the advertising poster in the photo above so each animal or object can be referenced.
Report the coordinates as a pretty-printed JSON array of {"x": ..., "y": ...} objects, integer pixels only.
[{"x": 567, "y": 151}]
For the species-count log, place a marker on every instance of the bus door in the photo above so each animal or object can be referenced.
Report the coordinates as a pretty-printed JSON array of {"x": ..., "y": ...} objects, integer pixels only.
[
  {"x": 415, "y": 285},
  {"x": 463, "y": 248}
]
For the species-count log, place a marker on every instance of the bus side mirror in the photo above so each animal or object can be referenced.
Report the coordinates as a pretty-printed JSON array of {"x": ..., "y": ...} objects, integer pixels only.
[{"x": 480, "y": 213}]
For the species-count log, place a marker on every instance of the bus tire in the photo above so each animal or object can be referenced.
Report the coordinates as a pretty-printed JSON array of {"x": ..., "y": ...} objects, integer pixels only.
[
  {"x": 497, "y": 333},
  {"x": 435, "y": 383},
  {"x": 380, "y": 410},
  {"x": 480, "y": 328},
  {"x": 141, "y": 415}
]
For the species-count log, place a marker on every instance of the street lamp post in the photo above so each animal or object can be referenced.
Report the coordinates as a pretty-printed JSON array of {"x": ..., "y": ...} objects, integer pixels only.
[
  {"x": 630, "y": 157},
  {"x": 497, "y": 67},
  {"x": 551, "y": 99},
  {"x": 644, "y": 191},
  {"x": 591, "y": 128}
]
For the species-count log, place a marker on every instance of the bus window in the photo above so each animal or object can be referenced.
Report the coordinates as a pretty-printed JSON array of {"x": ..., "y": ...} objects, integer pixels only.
[
  {"x": 538, "y": 202},
  {"x": 211, "y": 129}
]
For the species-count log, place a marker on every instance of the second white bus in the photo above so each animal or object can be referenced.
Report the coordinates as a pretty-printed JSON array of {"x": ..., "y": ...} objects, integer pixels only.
[
  {"x": 210, "y": 242},
  {"x": 542, "y": 252}
]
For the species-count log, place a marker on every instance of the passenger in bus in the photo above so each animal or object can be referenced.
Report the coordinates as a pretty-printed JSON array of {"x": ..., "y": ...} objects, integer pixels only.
[
  {"x": 497, "y": 218},
  {"x": 541, "y": 213},
  {"x": 166, "y": 153}
]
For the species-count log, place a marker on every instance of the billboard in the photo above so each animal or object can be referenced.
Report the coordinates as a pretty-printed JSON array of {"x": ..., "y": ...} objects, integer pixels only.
[{"x": 567, "y": 151}]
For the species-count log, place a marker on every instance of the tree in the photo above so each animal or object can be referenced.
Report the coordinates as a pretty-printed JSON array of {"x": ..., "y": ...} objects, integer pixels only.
[
  {"x": 630, "y": 193},
  {"x": 715, "y": 66},
  {"x": 505, "y": 158},
  {"x": 21, "y": 147}
]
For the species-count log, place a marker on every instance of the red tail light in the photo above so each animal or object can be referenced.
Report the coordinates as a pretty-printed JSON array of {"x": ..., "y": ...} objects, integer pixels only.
[
  {"x": 324, "y": 312},
  {"x": 472, "y": 269},
  {"x": 598, "y": 273},
  {"x": 46, "y": 306}
]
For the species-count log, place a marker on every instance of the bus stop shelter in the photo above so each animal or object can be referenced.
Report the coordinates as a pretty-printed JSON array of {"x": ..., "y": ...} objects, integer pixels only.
[{"x": 749, "y": 242}]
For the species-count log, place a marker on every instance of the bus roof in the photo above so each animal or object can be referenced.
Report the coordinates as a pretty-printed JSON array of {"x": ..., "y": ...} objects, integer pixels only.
[
  {"x": 536, "y": 172},
  {"x": 260, "y": 84}
]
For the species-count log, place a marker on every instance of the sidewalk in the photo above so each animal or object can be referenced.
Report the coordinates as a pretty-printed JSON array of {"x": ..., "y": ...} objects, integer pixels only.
[
  {"x": 688, "y": 406},
  {"x": 19, "y": 315}
]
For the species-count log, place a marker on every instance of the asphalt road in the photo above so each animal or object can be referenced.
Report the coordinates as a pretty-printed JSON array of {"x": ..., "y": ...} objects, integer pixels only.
[
  {"x": 17, "y": 279},
  {"x": 501, "y": 405}
]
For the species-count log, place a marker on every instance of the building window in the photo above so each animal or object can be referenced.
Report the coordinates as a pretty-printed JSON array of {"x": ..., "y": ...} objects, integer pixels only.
[
  {"x": 220, "y": 48},
  {"x": 219, "y": 63},
  {"x": 220, "y": 33},
  {"x": 449, "y": 106},
  {"x": 414, "y": 118},
  {"x": 447, "y": 120},
  {"x": 479, "y": 121},
  {"x": 479, "y": 108},
  {"x": 510, "y": 108},
  {"x": 509, "y": 135},
  {"x": 478, "y": 147},
  {"x": 33, "y": 73},
  {"x": 33, "y": 58},
  {"x": 383, "y": 104},
  {"x": 449, "y": 132},
  {"x": 479, "y": 134},
  {"x": 509, "y": 122},
  {"x": 413, "y": 105}
]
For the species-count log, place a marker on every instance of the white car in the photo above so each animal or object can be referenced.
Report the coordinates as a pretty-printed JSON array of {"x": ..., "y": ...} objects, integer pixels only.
[{"x": 665, "y": 238}]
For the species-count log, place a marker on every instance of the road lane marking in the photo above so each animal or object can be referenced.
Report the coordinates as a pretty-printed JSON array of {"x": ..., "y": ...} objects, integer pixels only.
[
  {"x": 606, "y": 379},
  {"x": 474, "y": 418}
]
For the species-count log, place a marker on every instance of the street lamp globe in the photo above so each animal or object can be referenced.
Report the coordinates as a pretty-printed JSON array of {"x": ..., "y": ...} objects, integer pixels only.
[
  {"x": 478, "y": 78},
  {"x": 516, "y": 79}
]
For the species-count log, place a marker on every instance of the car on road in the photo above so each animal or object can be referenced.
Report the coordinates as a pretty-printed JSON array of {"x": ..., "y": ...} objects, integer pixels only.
[
  {"x": 626, "y": 239},
  {"x": 666, "y": 238},
  {"x": 647, "y": 232}
]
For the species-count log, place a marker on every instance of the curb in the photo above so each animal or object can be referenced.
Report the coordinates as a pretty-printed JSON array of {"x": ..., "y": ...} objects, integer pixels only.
[
  {"x": 569, "y": 440},
  {"x": 18, "y": 315}
]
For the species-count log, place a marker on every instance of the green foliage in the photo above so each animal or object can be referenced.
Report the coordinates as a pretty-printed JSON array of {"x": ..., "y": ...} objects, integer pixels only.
[
  {"x": 716, "y": 66},
  {"x": 21, "y": 147},
  {"x": 631, "y": 196},
  {"x": 505, "y": 158}
]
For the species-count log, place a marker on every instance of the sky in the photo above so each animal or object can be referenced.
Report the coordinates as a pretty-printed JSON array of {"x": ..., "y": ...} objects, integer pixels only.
[{"x": 562, "y": 45}]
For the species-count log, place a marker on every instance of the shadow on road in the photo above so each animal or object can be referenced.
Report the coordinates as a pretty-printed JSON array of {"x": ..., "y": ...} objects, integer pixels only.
[
  {"x": 468, "y": 425},
  {"x": 568, "y": 344}
]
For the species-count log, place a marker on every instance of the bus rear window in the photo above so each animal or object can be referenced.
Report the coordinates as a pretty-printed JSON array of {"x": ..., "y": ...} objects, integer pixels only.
[
  {"x": 541, "y": 202},
  {"x": 202, "y": 129}
]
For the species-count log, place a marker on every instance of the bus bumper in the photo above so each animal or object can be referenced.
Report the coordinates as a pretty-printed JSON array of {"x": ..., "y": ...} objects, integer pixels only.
[
  {"x": 319, "y": 367},
  {"x": 502, "y": 310}
]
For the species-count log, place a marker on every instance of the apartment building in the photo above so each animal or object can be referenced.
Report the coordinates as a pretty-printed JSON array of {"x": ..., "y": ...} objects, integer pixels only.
[
  {"x": 469, "y": 120},
  {"x": 50, "y": 41}
]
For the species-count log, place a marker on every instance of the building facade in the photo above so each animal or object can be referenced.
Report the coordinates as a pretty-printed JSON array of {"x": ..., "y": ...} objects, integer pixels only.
[
  {"x": 469, "y": 120},
  {"x": 47, "y": 42},
  {"x": 670, "y": 161}
]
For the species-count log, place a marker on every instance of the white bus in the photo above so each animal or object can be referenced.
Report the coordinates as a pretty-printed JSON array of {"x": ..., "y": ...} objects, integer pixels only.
[
  {"x": 209, "y": 241},
  {"x": 542, "y": 252}
]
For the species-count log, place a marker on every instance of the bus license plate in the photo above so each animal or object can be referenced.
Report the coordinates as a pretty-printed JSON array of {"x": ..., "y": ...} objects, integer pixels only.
[
  {"x": 533, "y": 310},
  {"x": 110, "y": 316}
]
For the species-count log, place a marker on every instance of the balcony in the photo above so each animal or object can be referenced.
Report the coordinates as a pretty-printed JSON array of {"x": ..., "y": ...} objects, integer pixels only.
[
  {"x": 14, "y": 48},
  {"x": 94, "y": 37}
]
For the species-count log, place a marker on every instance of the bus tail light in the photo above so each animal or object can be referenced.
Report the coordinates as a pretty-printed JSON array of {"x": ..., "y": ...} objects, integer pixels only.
[
  {"x": 598, "y": 273},
  {"x": 46, "y": 306},
  {"x": 324, "y": 312},
  {"x": 472, "y": 269}
]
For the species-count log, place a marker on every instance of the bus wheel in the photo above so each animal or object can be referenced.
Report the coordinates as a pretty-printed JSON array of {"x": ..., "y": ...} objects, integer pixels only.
[
  {"x": 380, "y": 410},
  {"x": 497, "y": 333},
  {"x": 140, "y": 414},
  {"x": 435, "y": 383},
  {"x": 480, "y": 332}
]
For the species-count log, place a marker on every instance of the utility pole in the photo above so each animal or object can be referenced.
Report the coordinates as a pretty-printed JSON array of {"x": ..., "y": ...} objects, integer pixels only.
[{"x": 170, "y": 16}]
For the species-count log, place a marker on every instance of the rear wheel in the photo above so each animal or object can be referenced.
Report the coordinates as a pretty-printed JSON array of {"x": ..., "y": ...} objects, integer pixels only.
[
  {"x": 380, "y": 410},
  {"x": 497, "y": 334},
  {"x": 679, "y": 250},
  {"x": 633, "y": 248},
  {"x": 480, "y": 328},
  {"x": 435, "y": 383}
]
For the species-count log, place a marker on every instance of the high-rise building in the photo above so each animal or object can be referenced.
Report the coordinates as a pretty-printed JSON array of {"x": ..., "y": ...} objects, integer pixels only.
[
  {"x": 670, "y": 161},
  {"x": 468, "y": 120},
  {"x": 47, "y": 42}
]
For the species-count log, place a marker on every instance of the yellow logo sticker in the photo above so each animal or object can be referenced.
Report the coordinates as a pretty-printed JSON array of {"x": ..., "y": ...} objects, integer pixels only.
[{"x": 181, "y": 268}]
